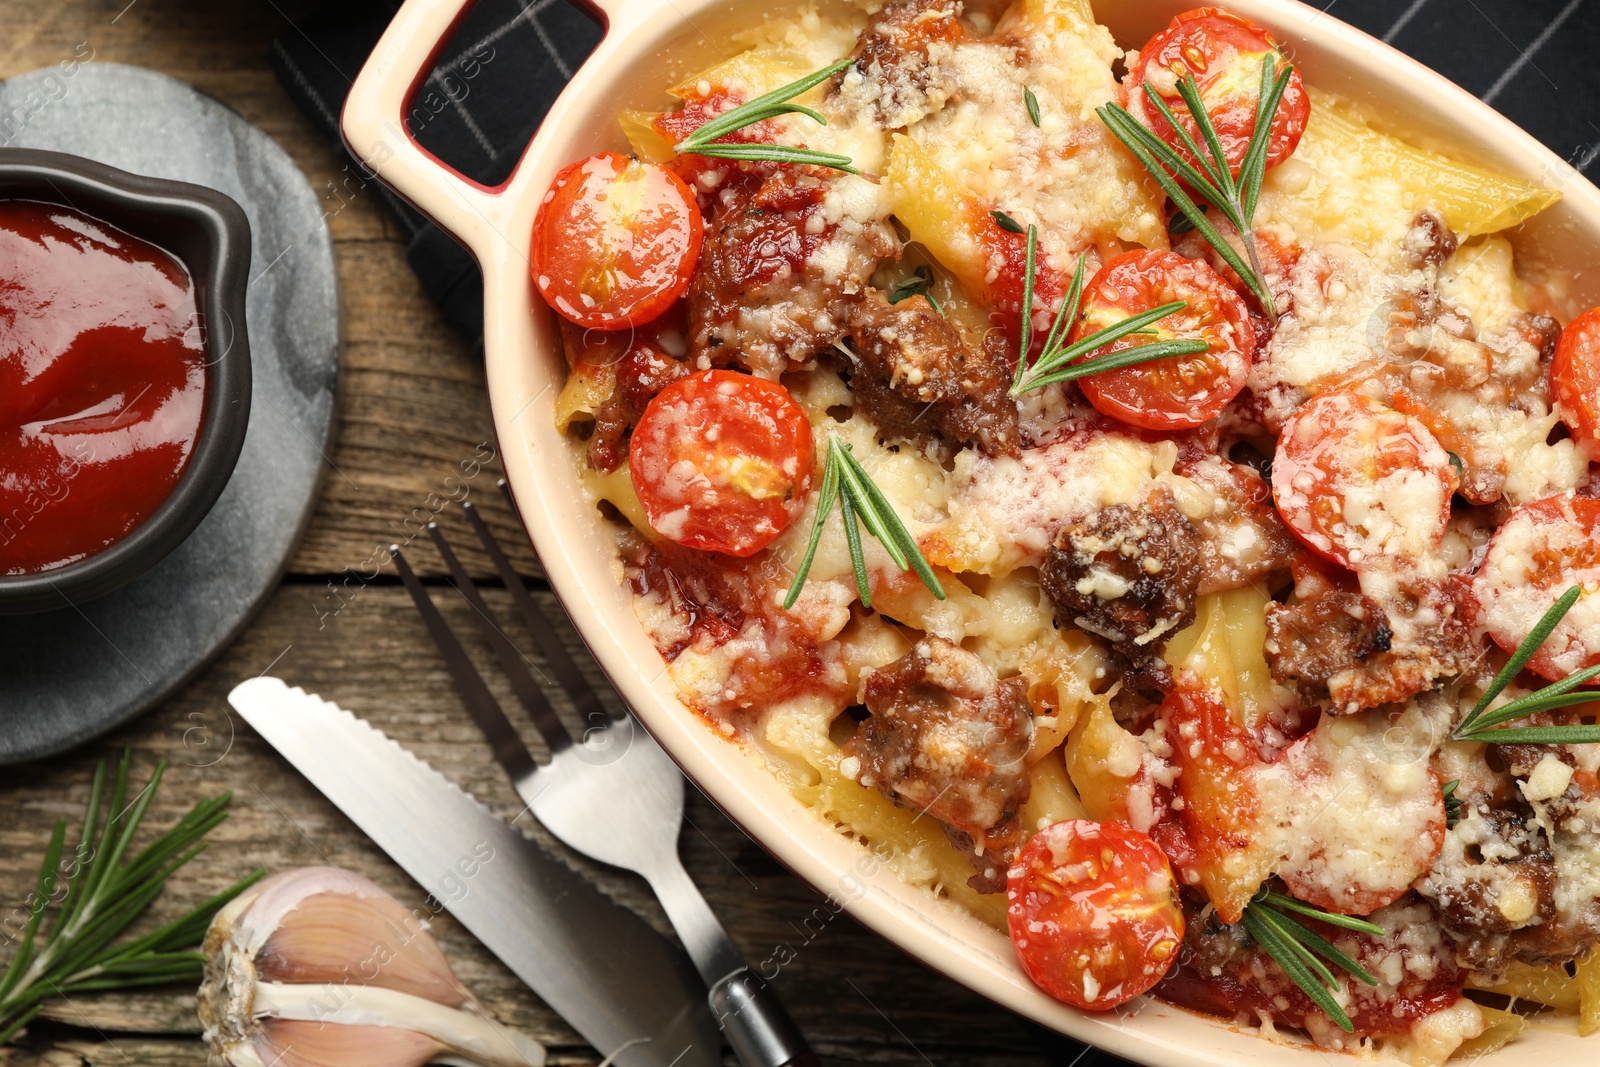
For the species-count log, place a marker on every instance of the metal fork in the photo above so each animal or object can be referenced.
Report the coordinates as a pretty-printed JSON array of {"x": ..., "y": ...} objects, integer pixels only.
[{"x": 615, "y": 796}]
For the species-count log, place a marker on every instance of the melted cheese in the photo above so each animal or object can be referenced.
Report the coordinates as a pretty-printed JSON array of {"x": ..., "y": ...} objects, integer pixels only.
[
  {"x": 1358, "y": 808},
  {"x": 1068, "y": 175},
  {"x": 1512, "y": 601},
  {"x": 1004, "y": 511}
]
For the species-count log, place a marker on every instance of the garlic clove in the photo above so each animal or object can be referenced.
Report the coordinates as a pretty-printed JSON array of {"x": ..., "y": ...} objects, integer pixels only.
[
  {"x": 337, "y": 936},
  {"x": 319, "y": 967},
  {"x": 301, "y": 1043}
]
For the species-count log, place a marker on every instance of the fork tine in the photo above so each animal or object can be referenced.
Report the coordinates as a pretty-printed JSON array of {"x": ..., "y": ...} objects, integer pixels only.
[
  {"x": 528, "y": 692},
  {"x": 562, "y": 666},
  {"x": 508, "y": 748}
]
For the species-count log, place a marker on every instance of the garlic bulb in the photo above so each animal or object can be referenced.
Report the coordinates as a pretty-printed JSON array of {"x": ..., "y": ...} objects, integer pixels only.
[{"x": 318, "y": 967}]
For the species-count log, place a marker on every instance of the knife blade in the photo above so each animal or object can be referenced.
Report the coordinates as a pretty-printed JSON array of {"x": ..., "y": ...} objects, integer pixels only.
[{"x": 618, "y": 982}]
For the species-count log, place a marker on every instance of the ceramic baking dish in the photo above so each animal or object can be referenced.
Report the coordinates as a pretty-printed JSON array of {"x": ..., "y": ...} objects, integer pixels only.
[{"x": 653, "y": 43}]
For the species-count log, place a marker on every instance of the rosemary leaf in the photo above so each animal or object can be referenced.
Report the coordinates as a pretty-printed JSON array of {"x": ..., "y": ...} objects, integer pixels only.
[
  {"x": 852, "y": 539},
  {"x": 1032, "y": 103},
  {"x": 752, "y": 111},
  {"x": 37, "y": 905},
  {"x": 1319, "y": 945},
  {"x": 853, "y": 482},
  {"x": 1127, "y": 357},
  {"x": 1214, "y": 161},
  {"x": 1115, "y": 332},
  {"x": 1537, "y": 735},
  {"x": 1281, "y": 925},
  {"x": 84, "y": 853},
  {"x": 1253, "y": 170},
  {"x": 1030, "y": 272},
  {"x": 1556, "y": 695},
  {"x": 1006, "y": 222},
  {"x": 1519, "y": 659},
  {"x": 1068, "y": 313},
  {"x": 777, "y": 153},
  {"x": 1452, "y": 804},
  {"x": 920, "y": 283},
  {"x": 825, "y": 498},
  {"x": 1284, "y": 902},
  {"x": 1282, "y": 950},
  {"x": 14, "y": 1027}
]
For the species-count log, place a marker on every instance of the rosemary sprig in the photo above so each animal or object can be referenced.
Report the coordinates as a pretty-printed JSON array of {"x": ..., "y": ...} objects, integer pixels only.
[
  {"x": 704, "y": 140},
  {"x": 920, "y": 283},
  {"x": 99, "y": 896},
  {"x": 1207, "y": 172},
  {"x": 1300, "y": 951},
  {"x": 1052, "y": 364},
  {"x": 844, "y": 479},
  {"x": 1479, "y": 722}
]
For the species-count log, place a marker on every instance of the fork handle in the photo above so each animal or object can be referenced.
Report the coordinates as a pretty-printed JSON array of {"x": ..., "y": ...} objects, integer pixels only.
[
  {"x": 750, "y": 1014},
  {"x": 755, "y": 1023}
]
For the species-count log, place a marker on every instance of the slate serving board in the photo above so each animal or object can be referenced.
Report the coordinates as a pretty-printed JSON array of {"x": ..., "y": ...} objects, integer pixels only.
[{"x": 69, "y": 675}]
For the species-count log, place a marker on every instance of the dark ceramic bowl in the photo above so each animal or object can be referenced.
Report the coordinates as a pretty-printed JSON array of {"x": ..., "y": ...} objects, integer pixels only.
[{"x": 209, "y": 234}]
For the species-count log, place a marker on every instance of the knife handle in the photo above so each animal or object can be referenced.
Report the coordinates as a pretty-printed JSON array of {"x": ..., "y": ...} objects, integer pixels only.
[{"x": 755, "y": 1024}]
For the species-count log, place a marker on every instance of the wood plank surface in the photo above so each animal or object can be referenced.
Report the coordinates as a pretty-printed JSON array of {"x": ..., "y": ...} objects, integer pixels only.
[{"x": 411, "y": 409}]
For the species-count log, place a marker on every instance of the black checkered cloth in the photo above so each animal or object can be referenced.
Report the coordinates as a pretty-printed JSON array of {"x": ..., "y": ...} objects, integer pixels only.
[
  {"x": 477, "y": 110},
  {"x": 1532, "y": 60}
]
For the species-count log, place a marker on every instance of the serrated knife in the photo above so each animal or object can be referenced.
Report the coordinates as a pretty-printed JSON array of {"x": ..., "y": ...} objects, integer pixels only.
[{"x": 617, "y": 981}]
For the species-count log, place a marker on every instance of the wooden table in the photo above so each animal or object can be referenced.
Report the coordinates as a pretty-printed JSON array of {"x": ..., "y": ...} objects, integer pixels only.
[{"x": 412, "y": 406}]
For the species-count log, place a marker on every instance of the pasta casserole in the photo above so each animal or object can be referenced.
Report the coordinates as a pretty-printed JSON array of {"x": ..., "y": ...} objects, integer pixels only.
[{"x": 1142, "y": 494}]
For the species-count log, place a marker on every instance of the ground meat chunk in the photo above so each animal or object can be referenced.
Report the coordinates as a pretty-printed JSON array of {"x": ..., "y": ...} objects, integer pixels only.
[
  {"x": 1129, "y": 573},
  {"x": 1313, "y": 641},
  {"x": 902, "y": 71},
  {"x": 640, "y": 375},
  {"x": 915, "y": 377},
  {"x": 1497, "y": 884},
  {"x": 1430, "y": 241},
  {"x": 1355, "y": 643},
  {"x": 777, "y": 277},
  {"x": 949, "y": 738},
  {"x": 1242, "y": 540}
]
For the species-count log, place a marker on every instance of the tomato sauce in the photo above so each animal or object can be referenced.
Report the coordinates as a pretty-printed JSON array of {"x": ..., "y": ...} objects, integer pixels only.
[{"x": 102, "y": 383}]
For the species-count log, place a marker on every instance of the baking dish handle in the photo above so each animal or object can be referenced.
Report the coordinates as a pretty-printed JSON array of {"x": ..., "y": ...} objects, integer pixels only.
[{"x": 375, "y": 132}]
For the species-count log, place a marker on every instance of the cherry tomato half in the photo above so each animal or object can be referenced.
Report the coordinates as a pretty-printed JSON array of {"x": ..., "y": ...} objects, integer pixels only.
[
  {"x": 721, "y": 461},
  {"x": 1179, "y": 392},
  {"x": 1093, "y": 912},
  {"x": 1541, "y": 551},
  {"x": 1575, "y": 376},
  {"x": 1225, "y": 53},
  {"x": 615, "y": 241},
  {"x": 1354, "y": 480}
]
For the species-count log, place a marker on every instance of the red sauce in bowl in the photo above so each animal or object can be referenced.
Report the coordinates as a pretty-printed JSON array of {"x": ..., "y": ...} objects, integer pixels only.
[{"x": 102, "y": 383}]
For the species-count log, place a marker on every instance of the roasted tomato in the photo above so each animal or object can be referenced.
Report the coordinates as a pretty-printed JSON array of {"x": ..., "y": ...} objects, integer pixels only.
[
  {"x": 721, "y": 461},
  {"x": 1224, "y": 52},
  {"x": 615, "y": 241},
  {"x": 1575, "y": 376},
  {"x": 1355, "y": 480},
  {"x": 1179, "y": 392},
  {"x": 1541, "y": 551},
  {"x": 1093, "y": 910}
]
